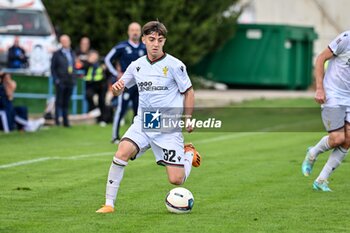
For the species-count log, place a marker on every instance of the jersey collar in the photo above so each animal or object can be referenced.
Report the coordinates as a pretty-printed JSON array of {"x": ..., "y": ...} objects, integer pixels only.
[
  {"x": 135, "y": 45},
  {"x": 157, "y": 60}
]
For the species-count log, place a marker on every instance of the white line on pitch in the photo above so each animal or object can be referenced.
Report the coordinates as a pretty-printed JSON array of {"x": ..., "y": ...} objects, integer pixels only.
[{"x": 25, "y": 162}]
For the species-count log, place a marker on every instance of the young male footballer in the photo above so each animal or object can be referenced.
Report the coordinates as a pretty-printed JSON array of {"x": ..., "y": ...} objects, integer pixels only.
[
  {"x": 333, "y": 92},
  {"x": 167, "y": 86}
]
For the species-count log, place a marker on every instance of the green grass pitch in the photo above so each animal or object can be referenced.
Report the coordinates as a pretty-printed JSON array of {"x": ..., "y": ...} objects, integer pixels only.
[{"x": 248, "y": 182}]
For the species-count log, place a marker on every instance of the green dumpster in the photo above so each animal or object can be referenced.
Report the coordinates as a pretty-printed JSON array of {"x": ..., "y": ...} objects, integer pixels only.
[{"x": 278, "y": 56}]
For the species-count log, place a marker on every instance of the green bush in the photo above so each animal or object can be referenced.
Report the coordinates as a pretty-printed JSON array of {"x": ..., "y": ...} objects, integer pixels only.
[{"x": 195, "y": 27}]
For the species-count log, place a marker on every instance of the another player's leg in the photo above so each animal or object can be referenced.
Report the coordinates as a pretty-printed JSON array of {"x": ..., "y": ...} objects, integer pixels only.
[
  {"x": 126, "y": 150},
  {"x": 122, "y": 107},
  {"x": 312, "y": 153},
  {"x": 335, "y": 159},
  {"x": 333, "y": 120}
]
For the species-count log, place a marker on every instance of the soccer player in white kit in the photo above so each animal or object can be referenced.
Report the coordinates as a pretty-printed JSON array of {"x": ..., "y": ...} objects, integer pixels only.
[
  {"x": 333, "y": 93},
  {"x": 163, "y": 82}
]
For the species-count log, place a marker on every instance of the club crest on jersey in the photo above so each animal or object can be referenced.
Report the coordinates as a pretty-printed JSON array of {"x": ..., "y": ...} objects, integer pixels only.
[{"x": 165, "y": 71}]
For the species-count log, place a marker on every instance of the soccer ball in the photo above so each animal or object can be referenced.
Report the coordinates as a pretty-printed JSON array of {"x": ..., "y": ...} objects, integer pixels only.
[{"x": 179, "y": 201}]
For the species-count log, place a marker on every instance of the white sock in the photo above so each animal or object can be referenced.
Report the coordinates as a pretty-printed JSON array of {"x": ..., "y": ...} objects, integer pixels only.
[
  {"x": 321, "y": 146},
  {"x": 335, "y": 159},
  {"x": 115, "y": 176},
  {"x": 188, "y": 164}
]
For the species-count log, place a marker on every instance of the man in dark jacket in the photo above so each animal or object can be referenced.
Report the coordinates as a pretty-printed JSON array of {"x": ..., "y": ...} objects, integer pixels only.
[
  {"x": 16, "y": 57},
  {"x": 125, "y": 52},
  {"x": 62, "y": 66}
]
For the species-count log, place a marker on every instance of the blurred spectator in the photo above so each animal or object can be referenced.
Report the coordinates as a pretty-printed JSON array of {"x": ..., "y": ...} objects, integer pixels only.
[
  {"x": 96, "y": 84},
  {"x": 17, "y": 117},
  {"x": 16, "y": 57},
  {"x": 82, "y": 53},
  {"x": 62, "y": 67}
]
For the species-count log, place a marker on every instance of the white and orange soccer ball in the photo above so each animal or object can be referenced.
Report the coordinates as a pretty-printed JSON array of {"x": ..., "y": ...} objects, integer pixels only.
[{"x": 179, "y": 201}]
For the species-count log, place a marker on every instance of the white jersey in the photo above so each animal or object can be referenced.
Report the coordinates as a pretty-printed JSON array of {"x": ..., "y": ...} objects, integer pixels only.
[
  {"x": 160, "y": 83},
  {"x": 337, "y": 77}
]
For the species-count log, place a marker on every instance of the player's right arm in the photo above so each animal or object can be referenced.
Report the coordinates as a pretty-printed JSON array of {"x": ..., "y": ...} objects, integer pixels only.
[
  {"x": 118, "y": 87},
  {"x": 326, "y": 54},
  {"x": 127, "y": 80}
]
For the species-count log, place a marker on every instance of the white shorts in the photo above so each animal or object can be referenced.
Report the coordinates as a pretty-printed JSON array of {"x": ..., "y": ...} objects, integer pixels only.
[
  {"x": 334, "y": 114},
  {"x": 168, "y": 148}
]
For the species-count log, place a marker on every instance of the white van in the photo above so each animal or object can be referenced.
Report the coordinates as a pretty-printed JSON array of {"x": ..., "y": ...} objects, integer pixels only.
[{"x": 28, "y": 20}]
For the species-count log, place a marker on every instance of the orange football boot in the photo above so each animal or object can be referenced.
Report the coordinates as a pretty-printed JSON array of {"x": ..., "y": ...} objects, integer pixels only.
[
  {"x": 196, "y": 161},
  {"x": 105, "y": 209}
]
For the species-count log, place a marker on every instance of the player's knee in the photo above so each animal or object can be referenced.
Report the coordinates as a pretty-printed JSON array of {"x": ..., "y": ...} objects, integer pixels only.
[
  {"x": 122, "y": 155},
  {"x": 337, "y": 139},
  {"x": 176, "y": 180},
  {"x": 126, "y": 151}
]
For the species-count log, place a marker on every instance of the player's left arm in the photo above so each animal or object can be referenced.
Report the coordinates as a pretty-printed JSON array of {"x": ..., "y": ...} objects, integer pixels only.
[
  {"x": 185, "y": 87},
  {"x": 335, "y": 48},
  {"x": 188, "y": 107}
]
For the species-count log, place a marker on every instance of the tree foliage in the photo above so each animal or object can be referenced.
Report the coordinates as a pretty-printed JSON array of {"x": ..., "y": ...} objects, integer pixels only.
[{"x": 194, "y": 27}]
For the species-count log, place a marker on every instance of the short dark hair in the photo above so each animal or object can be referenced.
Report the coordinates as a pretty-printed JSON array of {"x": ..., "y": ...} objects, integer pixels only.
[{"x": 154, "y": 26}]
